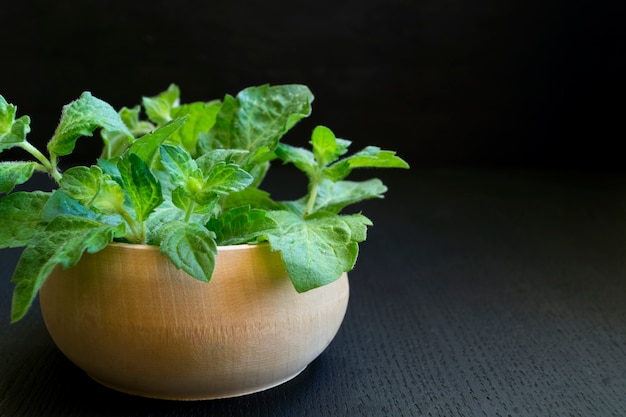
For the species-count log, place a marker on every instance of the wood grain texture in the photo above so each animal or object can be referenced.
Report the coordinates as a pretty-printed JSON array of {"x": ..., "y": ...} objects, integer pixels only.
[
  {"x": 492, "y": 293},
  {"x": 135, "y": 323}
]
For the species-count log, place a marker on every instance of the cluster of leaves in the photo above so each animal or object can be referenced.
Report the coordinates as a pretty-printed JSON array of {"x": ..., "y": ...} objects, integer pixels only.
[{"x": 187, "y": 180}]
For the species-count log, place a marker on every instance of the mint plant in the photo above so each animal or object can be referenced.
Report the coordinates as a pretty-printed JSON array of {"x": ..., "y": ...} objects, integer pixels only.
[{"x": 186, "y": 178}]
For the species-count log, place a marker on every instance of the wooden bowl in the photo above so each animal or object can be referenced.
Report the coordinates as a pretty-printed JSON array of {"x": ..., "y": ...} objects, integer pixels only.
[{"x": 135, "y": 323}]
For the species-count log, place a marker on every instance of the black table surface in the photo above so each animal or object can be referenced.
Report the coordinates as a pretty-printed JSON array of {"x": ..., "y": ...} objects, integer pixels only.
[{"x": 477, "y": 293}]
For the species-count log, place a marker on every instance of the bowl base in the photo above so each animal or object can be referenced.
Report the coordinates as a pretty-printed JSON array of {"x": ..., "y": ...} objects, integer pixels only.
[{"x": 212, "y": 395}]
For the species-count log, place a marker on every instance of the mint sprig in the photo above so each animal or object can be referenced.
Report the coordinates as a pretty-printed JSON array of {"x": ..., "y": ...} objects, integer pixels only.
[
  {"x": 186, "y": 177},
  {"x": 323, "y": 167}
]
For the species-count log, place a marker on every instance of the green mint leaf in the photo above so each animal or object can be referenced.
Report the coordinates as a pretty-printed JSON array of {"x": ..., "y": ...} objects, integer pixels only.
[
  {"x": 196, "y": 201},
  {"x": 302, "y": 158},
  {"x": 78, "y": 235},
  {"x": 109, "y": 168},
  {"x": 240, "y": 225},
  {"x": 258, "y": 117},
  {"x": 167, "y": 213},
  {"x": 225, "y": 178},
  {"x": 181, "y": 198},
  {"x": 162, "y": 215},
  {"x": 206, "y": 203},
  {"x": 202, "y": 185},
  {"x": 21, "y": 217},
  {"x": 110, "y": 197},
  {"x": 81, "y": 118},
  {"x": 82, "y": 183},
  {"x": 179, "y": 164},
  {"x": 253, "y": 197},
  {"x": 357, "y": 223},
  {"x": 326, "y": 147},
  {"x": 141, "y": 186},
  {"x": 186, "y": 179},
  {"x": 207, "y": 161},
  {"x": 158, "y": 108},
  {"x": 334, "y": 196},
  {"x": 200, "y": 118},
  {"x": 337, "y": 171},
  {"x": 370, "y": 157},
  {"x": 62, "y": 242},
  {"x": 259, "y": 164},
  {"x": 147, "y": 147},
  {"x": 130, "y": 117},
  {"x": 374, "y": 157},
  {"x": 12, "y": 132},
  {"x": 14, "y": 173},
  {"x": 115, "y": 143},
  {"x": 60, "y": 204},
  {"x": 93, "y": 189},
  {"x": 190, "y": 247},
  {"x": 316, "y": 250}
]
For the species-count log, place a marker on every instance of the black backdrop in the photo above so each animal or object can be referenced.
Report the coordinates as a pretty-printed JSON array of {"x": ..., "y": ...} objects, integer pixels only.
[{"x": 447, "y": 83}]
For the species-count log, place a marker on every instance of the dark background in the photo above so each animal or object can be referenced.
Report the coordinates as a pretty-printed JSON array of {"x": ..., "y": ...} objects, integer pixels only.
[
  {"x": 486, "y": 83},
  {"x": 481, "y": 291}
]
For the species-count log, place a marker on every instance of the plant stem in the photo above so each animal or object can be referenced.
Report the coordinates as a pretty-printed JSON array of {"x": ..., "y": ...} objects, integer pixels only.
[
  {"x": 53, "y": 166},
  {"x": 50, "y": 167},
  {"x": 189, "y": 211},
  {"x": 39, "y": 167},
  {"x": 310, "y": 204},
  {"x": 138, "y": 233}
]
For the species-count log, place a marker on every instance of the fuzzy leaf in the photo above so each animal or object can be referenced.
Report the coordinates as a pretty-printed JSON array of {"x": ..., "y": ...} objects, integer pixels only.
[
  {"x": 82, "y": 183},
  {"x": 21, "y": 217},
  {"x": 190, "y": 247},
  {"x": 110, "y": 198},
  {"x": 162, "y": 215},
  {"x": 12, "y": 132},
  {"x": 14, "y": 173},
  {"x": 178, "y": 163},
  {"x": 334, "y": 196},
  {"x": 302, "y": 158},
  {"x": 374, "y": 157},
  {"x": 200, "y": 118},
  {"x": 370, "y": 157},
  {"x": 137, "y": 127},
  {"x": 115, "y": 143},
  {"x": 326, "y": 147},
  {"x": 240, "y": 225},
  {"x": 225, "y": 178},
  {"x": 207, "y": 161},
  {"x": 93, "y": 189},
  {"x": 60, "y": 204},
  {"x": 61, "y": 243},
  {"x": 158, "y": 108},
  {"x": 251, "y": 196},
  {"x": 81, "y": 118},
  {"x": 147, "y": 147},
  {"x": 141, "y": 186},
  {"x": 258, "y": 117},
  {"x": 317, "y": 250}
]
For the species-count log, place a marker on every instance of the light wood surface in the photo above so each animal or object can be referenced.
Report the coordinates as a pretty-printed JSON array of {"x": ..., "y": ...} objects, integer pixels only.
[{"x": 135, "y": 323}]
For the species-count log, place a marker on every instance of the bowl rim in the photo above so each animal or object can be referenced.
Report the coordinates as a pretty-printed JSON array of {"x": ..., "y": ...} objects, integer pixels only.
[{"x": 220, "y": 248}]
